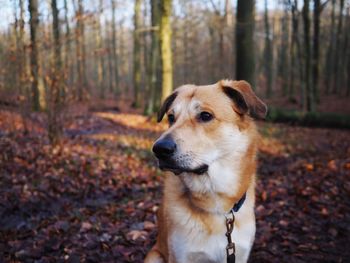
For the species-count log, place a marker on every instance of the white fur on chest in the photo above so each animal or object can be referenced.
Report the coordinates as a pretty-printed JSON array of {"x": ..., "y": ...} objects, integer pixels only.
[
  {"x": 191, "y": 243},
  {"x": 187, "y": 244}
]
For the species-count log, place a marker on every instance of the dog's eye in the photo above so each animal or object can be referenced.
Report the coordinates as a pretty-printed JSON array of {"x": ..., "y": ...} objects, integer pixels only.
[
  {"x": 171, "y": 118},
  {"x": 205, "y": 116}
]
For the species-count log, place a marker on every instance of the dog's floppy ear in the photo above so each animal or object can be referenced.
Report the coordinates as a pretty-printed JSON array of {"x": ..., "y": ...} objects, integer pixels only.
[
  {"x": 245, "y": 100},
  {"x": 166, "y": 105}
]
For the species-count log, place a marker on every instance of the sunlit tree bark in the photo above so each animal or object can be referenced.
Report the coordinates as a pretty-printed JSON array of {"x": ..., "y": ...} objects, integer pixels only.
[{"x": 165, "y": 46}]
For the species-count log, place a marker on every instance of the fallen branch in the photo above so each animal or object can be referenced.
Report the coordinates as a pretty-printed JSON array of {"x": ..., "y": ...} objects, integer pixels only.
[{"x": 310, "y": 119}]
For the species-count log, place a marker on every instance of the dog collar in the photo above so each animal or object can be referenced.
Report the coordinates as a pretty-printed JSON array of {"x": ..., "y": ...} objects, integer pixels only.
[{"x": 239, "y": 204}]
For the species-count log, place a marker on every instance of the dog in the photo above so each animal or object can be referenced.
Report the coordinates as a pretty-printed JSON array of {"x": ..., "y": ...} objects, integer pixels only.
[{"x": 209, "y": 155}]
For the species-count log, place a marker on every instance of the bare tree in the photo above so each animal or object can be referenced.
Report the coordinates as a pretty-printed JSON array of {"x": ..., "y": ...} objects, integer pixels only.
[
  {"x": 268, "y": 53},
  {"x": 309, "y": 104},
  {"x": 68, "y": 48},
  {"x": 137, "y": 53},
  {"x": 34, "y": 57},
  {"x": 318, "y": 8},
  {"x": 338, "y": 58},
  {"x": 54, "y": 127},
  {"x": 80, "y": 50},
  {"x": 99, "y": 52},
  {"x": 245, "y": 61},
  {"x": 114, "y": 48}
]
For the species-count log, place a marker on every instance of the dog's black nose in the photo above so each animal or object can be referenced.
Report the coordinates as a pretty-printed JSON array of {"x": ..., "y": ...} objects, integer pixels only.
[{"x": 164, "y": 148}]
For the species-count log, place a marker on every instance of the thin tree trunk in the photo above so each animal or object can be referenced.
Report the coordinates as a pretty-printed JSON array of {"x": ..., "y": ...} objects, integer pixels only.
[
  {"x": 268, "y": 53},
  {"x": 109, "y": 59},
  {"x": 330, "y": 60},
  {"x": 22, "y": 49},
  {"x": 123, "y": 68},
  {"x": 212, "y": 65},
  {"x": 68, "y": 47},
  {"x": 228, "y": 13},
  {"x": 165, "y": 44},
  {"x": 78, "y": 40},
  {"x": 338, "y": 55},
  {"x": 244, "y": 41},
  {"x": 186, "y": 51},
  {"x": 283, "y": 65},
  {"x": 146, "y": 56},
  {"x": 80, "y": 51},
  {"x": 137, "y": 53},
  {"x": 347, "y": 48},
  {"x": 307, "y": 55},
  {"x": 34, "y": 58},
  {"x": 316, "y": 48},
  {"x": 99, "y": 53},
  {"x": 115, "y": 49}
]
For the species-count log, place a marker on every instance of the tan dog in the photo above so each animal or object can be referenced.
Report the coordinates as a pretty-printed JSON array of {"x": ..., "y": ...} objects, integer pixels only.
[{"x": 210, "y": 150}]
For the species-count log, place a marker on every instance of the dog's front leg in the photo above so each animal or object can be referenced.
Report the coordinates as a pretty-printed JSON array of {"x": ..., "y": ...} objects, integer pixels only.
[{"x": 154, "y": 256}]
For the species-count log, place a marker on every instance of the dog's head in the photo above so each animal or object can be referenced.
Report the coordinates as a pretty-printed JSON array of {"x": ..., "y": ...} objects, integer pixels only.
[{"x": 207, "y": 125}]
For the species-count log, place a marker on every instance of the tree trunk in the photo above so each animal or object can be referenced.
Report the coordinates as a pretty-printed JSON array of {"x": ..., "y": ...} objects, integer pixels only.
[
  {"x": 137, "y": 53},
  {"x": 80, "y": 51},
  {"x": 283, "y": 64},
  {"x": 34, "y": 58},
  {"x": 22, "y": 50},
  {"x": 307, "y": 56},
  {"x": 100, "y": 53},
  {"x": 165, "y": 43},
  {"x": 54, "y": 127},
  {"x": 330, "y": 60},
  {"x": 109, "y": 59},
  {"x": 67, "y": 58},
  {"x": 316, "y": 48},
  {"x": 185, "y": 41},
  {"x": 245, "y": 69},
  {"x": 347, "y": 48},
  {"x": 295, "y": 54},
  {"x": 146, "y": 56},
  {"x": 115, "y": 49},
  {"x": 268, "y": 53},
  {"x": 153, "y": 100},
  {"x": 338, "y": 52}
]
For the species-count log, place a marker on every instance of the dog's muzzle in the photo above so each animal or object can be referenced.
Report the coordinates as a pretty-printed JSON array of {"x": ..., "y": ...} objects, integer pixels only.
[{"x": 165, "y": 150}]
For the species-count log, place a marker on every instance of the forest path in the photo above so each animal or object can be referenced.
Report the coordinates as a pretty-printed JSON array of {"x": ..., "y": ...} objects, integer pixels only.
[{"x": 94, "y": 198}]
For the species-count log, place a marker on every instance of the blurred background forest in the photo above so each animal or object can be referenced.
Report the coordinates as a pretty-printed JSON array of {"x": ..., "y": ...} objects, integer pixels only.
[
  {"x": 81, "y": 81},
  {"x": 55, "y": 53}
]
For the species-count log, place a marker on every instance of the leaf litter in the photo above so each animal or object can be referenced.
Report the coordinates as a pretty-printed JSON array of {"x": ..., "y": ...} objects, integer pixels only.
[{"x": 94, "y": 198}]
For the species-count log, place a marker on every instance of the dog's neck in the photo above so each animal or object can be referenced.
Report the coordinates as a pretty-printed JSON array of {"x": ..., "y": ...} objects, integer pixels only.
[
  {"x": 211, "y": 202},
  {"x": 203, "y": 193}
]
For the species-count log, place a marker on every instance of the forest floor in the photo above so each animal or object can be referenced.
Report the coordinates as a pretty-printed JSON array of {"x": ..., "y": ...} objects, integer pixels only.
[{"x": 94, "y": 198}]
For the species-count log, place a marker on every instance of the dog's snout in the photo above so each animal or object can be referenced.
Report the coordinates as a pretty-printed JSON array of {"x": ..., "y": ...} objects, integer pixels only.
[{"x": 164, "y": 148}]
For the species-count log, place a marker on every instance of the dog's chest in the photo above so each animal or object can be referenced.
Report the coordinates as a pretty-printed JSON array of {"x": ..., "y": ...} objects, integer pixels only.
[
  {"x": 191, "y": 242},
  {"x": 197, "y": 246}
]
